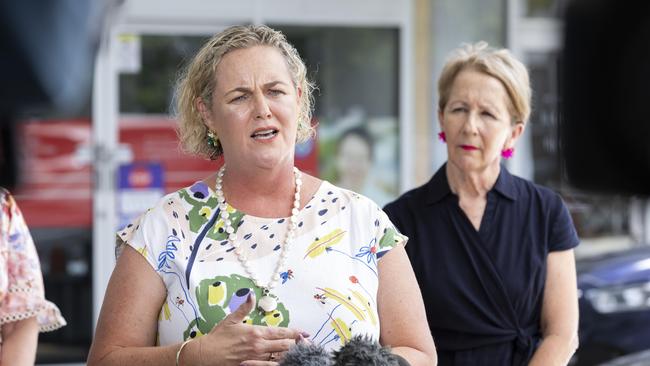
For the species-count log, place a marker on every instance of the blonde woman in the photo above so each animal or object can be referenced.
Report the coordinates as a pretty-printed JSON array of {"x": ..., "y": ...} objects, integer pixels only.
[
  {"x": 237, "y": 268},
  {"x": 493, "y": 253}
]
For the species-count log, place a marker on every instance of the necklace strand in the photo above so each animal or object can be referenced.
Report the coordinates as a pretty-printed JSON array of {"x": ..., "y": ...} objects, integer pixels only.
[{"x": 268, "y": 302}]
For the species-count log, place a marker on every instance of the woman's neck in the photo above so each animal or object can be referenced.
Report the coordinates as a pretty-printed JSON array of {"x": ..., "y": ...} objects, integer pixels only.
[
  {"x": 472, "y": 184},
  {"x": 260, "y": 192}
]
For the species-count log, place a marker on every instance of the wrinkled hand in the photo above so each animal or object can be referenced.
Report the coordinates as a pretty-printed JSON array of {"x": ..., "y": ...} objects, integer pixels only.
[{"x": 233, "y": 343}]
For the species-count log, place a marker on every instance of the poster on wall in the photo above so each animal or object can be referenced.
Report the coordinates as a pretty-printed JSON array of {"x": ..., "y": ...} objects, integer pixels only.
[
  {"x": 140, "y": 186},
  {"x": 359, "y": 154}
]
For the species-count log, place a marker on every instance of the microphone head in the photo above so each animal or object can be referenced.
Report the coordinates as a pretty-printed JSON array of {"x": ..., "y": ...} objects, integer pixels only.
[
  {"x": 364, "y": 351},
  {"x": 306, "y": 354}
]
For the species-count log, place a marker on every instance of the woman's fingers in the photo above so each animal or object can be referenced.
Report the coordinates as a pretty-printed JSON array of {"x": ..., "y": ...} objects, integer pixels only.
[
  {"x": 258, "y": 363},
  {"x": 280, "y": 333},
  {"x": 266, "y": 359},
  {"x": 238, "y": 316},
  {"x": 278, "y": 345},
  {"x": 301, "y": 339}
]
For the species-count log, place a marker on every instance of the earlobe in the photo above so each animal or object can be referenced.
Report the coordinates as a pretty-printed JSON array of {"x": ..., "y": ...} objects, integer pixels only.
[
  {"x": 517, "y": 131},
  {"x": 198, "y": 104},
  {"x": 508, "y": 151},
  {"x": 200, "y": 107}
]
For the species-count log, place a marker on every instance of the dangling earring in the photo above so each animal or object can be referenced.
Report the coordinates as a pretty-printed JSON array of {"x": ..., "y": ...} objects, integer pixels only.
[
  {"x": 442, "y": 137},
  {"x": 508, "y": 153},
  {"x": 213, "y": 140}
]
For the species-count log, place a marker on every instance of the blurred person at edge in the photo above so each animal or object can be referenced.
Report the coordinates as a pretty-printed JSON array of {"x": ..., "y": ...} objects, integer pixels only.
[
  {"x": 493, "y": 253},
  {"x": 242, "y": 265},
  {"x": 24, "y": 312},
  {"x": 354, "y": 159}
]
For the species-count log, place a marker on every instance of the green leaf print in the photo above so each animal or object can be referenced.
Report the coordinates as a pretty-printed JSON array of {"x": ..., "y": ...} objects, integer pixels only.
[
  {"x": 390, "y": 238},
  {"x": 197, "y": 216},
  {"x": 202, "y": 211},
  {"x": 219, "y": 296}
]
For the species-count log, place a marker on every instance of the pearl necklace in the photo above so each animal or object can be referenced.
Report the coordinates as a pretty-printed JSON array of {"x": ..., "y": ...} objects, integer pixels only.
[{"x": 269, "y": 301}]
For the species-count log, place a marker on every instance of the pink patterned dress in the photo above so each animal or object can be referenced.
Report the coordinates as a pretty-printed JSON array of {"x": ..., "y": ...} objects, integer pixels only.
[{"x": 21, "y": 283}]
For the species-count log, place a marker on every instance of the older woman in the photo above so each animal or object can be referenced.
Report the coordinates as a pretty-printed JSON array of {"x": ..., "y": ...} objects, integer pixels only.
[
  {"x": 236, "y": 268},
  {"x": 492, "y": 252},
  {"x": 23, "y": 308}
]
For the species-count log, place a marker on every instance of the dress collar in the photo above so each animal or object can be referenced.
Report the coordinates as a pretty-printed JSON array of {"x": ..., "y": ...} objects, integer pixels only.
[{"x": 438, "y": 187}]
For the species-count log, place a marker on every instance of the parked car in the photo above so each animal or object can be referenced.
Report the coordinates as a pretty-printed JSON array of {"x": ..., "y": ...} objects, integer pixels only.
[
  {"x": 635, "y": 359},
  {"x": 614, "y": 298}
]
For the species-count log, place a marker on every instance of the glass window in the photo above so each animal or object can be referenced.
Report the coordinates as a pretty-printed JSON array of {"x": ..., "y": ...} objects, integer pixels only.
[
  {"x": 543, "y": 69},
  {"x": 147, "y": 87},
  {"x": 544, "y": 8},
  {"x": 356, "y": 71}
]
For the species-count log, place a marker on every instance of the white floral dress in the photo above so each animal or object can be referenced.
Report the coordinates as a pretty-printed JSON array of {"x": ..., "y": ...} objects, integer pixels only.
[{"x": 329, "y": 288}]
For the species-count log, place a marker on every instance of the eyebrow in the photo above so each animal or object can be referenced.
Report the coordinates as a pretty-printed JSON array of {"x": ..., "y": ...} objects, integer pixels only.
[
  {"x": 242, "y": 89},
  {"x": 482, "y": 105},
  {"x": 456, "y": 103}
]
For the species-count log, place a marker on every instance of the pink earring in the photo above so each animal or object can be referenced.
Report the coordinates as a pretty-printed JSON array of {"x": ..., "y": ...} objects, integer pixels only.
[
  {"x": 508, "y": 153},
  {"x": 442, "y": 137}
]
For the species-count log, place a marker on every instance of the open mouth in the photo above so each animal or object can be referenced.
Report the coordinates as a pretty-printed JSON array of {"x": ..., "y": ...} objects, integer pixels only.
[{"x": 264, "y": 134}]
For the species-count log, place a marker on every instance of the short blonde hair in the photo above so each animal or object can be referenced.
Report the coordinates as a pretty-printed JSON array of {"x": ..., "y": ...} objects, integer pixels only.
[
  {"x": 198, "y": 80},
  {"x": 498, "y": 63}
]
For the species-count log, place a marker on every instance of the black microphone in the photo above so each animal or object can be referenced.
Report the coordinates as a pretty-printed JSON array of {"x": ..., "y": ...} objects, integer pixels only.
[{"x": 359, "y": 351}]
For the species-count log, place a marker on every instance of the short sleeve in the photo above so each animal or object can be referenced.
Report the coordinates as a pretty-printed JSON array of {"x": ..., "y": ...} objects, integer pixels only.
[
  {"x": 23, "y": 294},
  {"x": 387, "y": 235},
  {"x": 563, "y": 235},
  {"x": 144, "y": 234}
]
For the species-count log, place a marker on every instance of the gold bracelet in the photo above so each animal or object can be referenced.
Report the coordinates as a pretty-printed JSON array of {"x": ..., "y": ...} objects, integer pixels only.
[{"x": 178, "y": 353}]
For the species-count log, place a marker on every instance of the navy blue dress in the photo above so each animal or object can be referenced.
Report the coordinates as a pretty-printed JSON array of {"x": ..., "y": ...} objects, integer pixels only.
[{"x": 483, "y": 289}]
